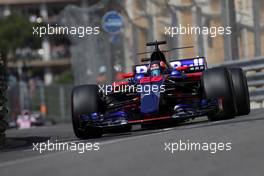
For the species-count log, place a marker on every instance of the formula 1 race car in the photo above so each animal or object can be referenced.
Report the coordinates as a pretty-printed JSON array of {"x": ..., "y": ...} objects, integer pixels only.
[{"x": 160, "y": 91}]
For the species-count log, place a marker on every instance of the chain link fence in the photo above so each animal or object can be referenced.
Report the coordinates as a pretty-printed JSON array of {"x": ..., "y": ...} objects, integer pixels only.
[{"x": 53, "y": 102}]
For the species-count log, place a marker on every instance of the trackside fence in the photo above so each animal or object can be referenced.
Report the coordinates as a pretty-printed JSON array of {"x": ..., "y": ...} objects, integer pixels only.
[{"x": 52, "y": 101}]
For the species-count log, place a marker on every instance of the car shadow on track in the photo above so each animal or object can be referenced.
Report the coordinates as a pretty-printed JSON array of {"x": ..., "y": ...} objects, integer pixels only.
[
  {"x": 163, "y": 127},
  {"x": 21, "y": 143}
]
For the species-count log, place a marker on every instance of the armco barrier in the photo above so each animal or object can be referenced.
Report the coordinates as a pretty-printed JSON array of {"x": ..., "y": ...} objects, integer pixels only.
[{"x": 254, "y": 69}]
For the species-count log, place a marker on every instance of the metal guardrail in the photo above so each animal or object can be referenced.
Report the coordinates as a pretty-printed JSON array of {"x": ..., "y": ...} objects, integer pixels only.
[{"x": 254, "y": 69}]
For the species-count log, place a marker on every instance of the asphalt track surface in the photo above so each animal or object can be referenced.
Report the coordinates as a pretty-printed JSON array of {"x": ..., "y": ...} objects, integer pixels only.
[{"x": 142, "y": 152}]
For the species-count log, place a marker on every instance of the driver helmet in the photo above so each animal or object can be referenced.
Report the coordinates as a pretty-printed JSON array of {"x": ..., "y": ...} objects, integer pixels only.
[{"x": 154, "y": 69}]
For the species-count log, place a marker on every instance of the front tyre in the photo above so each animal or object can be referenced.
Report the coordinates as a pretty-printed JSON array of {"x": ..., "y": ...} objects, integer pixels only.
[
  {"x": 241, "y": 93},
  {"x": 217, "y": 84},
  {"x": 85, "y": 100}
]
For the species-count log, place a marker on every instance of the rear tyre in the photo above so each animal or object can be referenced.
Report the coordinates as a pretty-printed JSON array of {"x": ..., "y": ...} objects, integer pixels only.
[
  {"x": 84, "y": 101},
  {"x": 241, "y": 93},
  {"x": 217, "y": 84}
]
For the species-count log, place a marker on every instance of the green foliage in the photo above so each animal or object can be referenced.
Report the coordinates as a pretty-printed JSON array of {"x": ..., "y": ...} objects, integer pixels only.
[
  {"x": 65, "y": 78},
  {"x": 16, "y": 32}
]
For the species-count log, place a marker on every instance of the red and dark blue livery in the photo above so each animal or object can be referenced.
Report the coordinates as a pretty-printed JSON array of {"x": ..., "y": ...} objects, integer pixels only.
[{"x": 160, "y": 91}]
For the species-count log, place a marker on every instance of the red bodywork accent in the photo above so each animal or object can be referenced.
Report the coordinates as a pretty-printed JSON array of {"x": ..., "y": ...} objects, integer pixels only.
[
  {"x": 149, "y": 119},
  {"x": 182, "y": 68},
  {"x": 150, "y": 79},
  {"x": 121, "y": 76},
  {"x": 194, "y": 76},
  {"x": 119, "y": 83},
  {"x": 126, "y": 75}
]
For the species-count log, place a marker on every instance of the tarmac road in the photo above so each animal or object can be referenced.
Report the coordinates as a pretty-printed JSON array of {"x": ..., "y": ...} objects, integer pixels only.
[{"x": 142, "y": 152}]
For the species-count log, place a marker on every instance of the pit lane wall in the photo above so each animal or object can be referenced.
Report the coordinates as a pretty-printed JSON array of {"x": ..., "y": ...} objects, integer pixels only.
[{"x": 254, "y": 69}]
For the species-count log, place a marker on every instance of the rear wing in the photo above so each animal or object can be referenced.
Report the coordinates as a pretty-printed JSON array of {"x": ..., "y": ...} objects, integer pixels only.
[
  {"x": 193, "y": 64},
  {"x": 140, "y": 69},
  {"x": 196, "y": 64}
]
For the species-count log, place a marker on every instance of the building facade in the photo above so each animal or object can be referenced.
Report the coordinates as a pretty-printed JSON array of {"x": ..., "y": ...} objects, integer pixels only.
[{"x": 145, "y": 20}]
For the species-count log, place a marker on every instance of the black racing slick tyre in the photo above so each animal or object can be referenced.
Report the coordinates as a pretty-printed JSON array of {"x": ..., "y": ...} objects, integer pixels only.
[
  {"x": 85, "y": 100},
  {"x": 217, "y": 84},
  {"x": 241, "y": 93}
]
